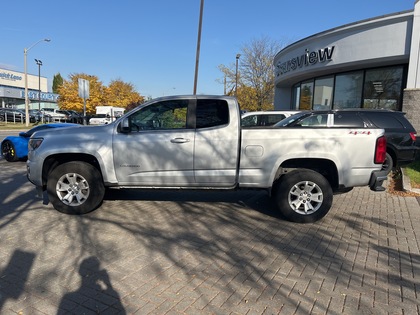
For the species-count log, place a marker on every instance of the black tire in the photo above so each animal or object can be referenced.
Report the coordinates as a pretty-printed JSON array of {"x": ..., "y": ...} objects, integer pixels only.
[
  {"x": 303, "y": 196},
  {"x": 1, "y": 118},
  {"x": 8, "y": 151},
  {"x": 389, "y": 163},
  {"x": 75, "y": 188}
]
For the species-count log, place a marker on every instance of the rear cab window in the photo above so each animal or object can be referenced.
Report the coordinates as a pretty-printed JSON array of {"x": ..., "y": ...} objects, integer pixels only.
[{"x": 211, "y": 113}]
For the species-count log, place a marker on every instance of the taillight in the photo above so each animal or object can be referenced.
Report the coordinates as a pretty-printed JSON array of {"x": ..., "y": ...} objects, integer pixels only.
[
  {"x": 380, "y": 151},
  {"x": 413, "y": 136}
]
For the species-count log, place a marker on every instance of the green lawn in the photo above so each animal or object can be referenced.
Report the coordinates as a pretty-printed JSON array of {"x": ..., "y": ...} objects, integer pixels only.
[
  {"x": 413, "y": 172},
  {"x": 12, "y": 126}
]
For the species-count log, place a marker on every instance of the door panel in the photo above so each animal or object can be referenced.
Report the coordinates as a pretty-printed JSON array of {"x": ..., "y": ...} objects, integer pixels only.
[
  {"x": 158, "y": 150},
  {"x": 216, "y": 144}
]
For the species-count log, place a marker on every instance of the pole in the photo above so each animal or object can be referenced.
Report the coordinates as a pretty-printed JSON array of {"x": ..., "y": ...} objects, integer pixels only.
[
  {"x": 236, "y": 75},
  {"x": 39, "y": 63},
  {"x": 25, "y": 53},
  {"x": 197, "y": 57}
]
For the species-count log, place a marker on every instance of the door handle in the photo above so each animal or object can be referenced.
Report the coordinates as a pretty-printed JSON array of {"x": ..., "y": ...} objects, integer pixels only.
[{"x": 180, "y": 140}]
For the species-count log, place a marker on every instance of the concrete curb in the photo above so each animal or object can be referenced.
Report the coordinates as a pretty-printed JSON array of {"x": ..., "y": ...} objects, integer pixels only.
[{"x": 407, "y": 183}]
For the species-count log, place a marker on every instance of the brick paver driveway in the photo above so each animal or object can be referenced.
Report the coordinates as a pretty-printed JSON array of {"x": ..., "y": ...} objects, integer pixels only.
[{"x": 206, "y": 253}]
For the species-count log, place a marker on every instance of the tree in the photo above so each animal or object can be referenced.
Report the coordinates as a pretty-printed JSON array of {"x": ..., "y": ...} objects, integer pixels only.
[
  {"x": 69, "y": 93},
  {"x": 118, "y": 93},
  {"x": 122, "y": 94},
  {"x": 255, "y": 74},
  {"x": 57, "y": 82}
]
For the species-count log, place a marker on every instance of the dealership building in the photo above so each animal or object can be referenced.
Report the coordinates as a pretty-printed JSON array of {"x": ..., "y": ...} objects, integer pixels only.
[
  {"x": 373, "y": 63},
  {"x": 12, "y": 90}
]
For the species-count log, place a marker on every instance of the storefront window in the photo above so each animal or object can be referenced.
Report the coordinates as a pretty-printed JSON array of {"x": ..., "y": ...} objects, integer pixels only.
[
  {"x": 383, "y": 88},
  {"x": 306, "y": 93},
  {"x": 372, "y": 88},
  {"x": 296, "y": 97},
  {"x": 348, "y": 90},
  {"x": 323, "y": 93}
]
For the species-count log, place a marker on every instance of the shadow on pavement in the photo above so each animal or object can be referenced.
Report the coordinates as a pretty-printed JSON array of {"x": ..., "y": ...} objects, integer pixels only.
[
  {"x": 95, "y": 292},
  {"x": 15, "y": 275}
]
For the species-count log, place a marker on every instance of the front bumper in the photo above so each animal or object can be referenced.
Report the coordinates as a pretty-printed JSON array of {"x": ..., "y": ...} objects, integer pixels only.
[{"x": 376, "y": 180}]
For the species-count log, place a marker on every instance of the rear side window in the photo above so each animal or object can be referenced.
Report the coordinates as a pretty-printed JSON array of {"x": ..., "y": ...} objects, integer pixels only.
[
  {"x": 211, "y": 113},
  {"x": 273, "y": 118},
  {"x": 348, "y": 120},
  {"x": 386, "y": 121}
]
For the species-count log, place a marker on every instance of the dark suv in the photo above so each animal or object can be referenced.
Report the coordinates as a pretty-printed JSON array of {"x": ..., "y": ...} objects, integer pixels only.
[
  {"x": 399, "y": 133},
  {"x": 14, "y": 115}
]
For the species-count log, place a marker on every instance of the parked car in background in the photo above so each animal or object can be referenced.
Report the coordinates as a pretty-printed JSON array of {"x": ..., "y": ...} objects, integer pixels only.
[
  {"x": 54, "y": 115},
  {"x": 14, "y": 148},
  {"x": 264, "y": 118},
  {"x": 71, "y": 116},
  {"x": 100, "y": 119},
  {"x": 15, "y": 115},
  {"x": 400, "y": 134},
  {"x": 37, "y": 114}
]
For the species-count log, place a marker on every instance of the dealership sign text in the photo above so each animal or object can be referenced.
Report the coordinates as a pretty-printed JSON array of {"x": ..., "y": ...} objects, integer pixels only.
[{"x": 307, "y": 59}]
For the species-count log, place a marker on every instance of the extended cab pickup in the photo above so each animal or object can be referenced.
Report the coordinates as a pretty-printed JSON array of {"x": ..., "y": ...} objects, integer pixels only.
[{"x": 196, "y": 142}]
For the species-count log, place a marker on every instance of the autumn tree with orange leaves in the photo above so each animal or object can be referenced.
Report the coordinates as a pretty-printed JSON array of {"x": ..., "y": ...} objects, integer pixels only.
[{"x": 118, "y": 93}]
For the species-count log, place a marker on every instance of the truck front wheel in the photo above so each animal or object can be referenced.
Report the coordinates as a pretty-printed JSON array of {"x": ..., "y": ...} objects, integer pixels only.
[
  {"x": 303, "y": 196},
  {"x": 75, "y": 188}
]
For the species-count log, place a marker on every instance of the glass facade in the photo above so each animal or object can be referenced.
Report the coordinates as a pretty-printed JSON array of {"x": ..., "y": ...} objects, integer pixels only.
[
  {"x": 306, "y": 95},
  {"x": 370, "y": 88},
  {"x": 323, "y": 93},
  {"x": 348, "y": 90}
]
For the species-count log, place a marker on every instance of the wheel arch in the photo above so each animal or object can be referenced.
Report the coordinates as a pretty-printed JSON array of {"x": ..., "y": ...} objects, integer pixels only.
[
  {"x": 392, "y": 152},
  {"x": 325, "y": 167},
  {"x": 53, "y": 161}
]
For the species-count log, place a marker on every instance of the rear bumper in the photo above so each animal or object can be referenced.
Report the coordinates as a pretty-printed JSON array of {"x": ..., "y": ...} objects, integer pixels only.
[{"x": 376, "y": 180}]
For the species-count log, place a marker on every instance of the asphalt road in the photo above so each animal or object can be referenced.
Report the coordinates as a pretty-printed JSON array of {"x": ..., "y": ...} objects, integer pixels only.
[{"x": 206, "y": 253}]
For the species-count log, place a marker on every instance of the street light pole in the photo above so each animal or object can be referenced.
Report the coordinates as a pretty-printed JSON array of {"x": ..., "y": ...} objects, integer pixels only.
[
  {"x": 236, "y": 74},
  {"x": 197, "y": 57},
  {"x": 25, "y": 54},
  {"x": 39, "y": 63}
]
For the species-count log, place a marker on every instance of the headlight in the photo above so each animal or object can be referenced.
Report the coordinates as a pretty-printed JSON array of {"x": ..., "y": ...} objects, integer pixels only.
[{"x": 34, "y": 143}]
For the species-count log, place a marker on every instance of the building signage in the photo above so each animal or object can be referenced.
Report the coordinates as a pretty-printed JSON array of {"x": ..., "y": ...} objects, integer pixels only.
[
  {"x": 307, "y": 59},
  {"x": 34, "y": 95},
  {"x": 10, "y": 76}
]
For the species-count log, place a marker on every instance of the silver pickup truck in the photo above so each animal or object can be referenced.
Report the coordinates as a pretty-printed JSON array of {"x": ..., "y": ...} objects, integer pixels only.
[{"x": 196, "y": 142}]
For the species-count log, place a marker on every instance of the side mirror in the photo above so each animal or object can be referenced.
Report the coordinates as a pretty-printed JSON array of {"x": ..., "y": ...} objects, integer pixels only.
[{"x": 125, "y": 126}]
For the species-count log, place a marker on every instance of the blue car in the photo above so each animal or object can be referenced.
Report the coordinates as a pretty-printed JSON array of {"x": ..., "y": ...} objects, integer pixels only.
[{"x": 14, "y": 148}]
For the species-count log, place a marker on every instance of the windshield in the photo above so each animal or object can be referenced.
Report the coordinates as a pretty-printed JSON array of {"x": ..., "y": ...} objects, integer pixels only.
[{"x": 289, "y": 120}]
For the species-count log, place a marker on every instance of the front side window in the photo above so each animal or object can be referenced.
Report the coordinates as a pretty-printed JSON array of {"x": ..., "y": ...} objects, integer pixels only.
[
  {"x": 315, "y": 120},
  {"x": 249, "y": 121},
  {"x": 163, "y": 115}
]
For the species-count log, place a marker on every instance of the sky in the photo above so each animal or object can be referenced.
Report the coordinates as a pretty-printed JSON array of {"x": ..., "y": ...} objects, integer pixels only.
[{"x": 152, "y": 44}]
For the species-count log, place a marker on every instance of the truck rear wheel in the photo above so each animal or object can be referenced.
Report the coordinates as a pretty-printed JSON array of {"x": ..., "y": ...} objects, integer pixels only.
[
  {"x": 303, "y": 196},
  {"x": 75, "y": 188}
]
